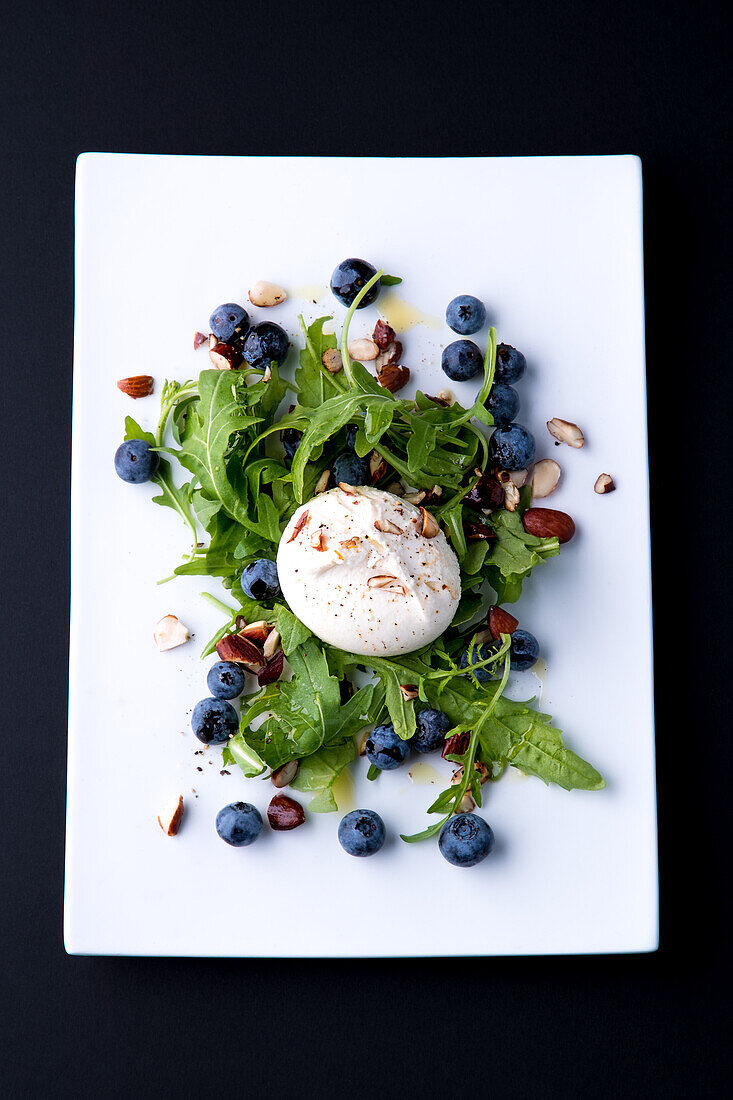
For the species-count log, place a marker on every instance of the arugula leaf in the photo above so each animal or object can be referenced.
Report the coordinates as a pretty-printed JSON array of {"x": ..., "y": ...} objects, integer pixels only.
[
  {"x": 320, "y": 771},
  {"x": 219, "y": 416},
  {"x": 421, "y": 443},
  {"x": 291, "y": 630},
  {"x": 514, "y": 554},
  {"x": 134, "y": 431},
  {"x": 390, "y": 280},
  {"x": 314, "y": 382},
  {"x": 326, "y": 421},
  {"x": 237, "y": 751}
]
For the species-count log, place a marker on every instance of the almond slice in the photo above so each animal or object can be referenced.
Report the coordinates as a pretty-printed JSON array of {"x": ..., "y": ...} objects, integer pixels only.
[
  {"x": 233, "y": 647},
  {"x": 430, "y": 526},
  {"x": 318, "y": 540},
  {"x": 387, "y": 527},
  {"x": 363, "y": 350},
  {"x": 170, "y": 632},
  {"x": 322, "y": 483},
  {"x": 545, "y": 477},
  {"x": 565, "y": 432},
  {"x": 271, "y": 646},
  {"x": 415, "y": 498},
  {"x": 171, "y": 817},
  {"x": 199, "y": 338},
  {"x": 256, "y": 632},
  {"x": 266, "y": 294},
  {"x": 302, "y": 521},
  {"x": 604, "y": 484},
  {"x": 285, "y": 774},
  {"x": 409, "y": 691}
]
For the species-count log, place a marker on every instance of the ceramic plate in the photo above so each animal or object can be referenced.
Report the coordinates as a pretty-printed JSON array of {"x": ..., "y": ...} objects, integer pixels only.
[{"x": 554, "y": 247}]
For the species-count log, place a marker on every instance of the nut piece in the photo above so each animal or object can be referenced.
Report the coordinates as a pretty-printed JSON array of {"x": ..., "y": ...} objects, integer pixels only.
[
  {"x": 170, "y": 632},
  {"x": 377, "y": 467},
  {"x": 303, "y": 517},
  {"x": 285, "y": 774},
  {"x": 501, "y": 622},
  {"x": 266, "y": 294},
  {"x": 332, "y": 361},
  {"x": 545, "y": 477},
  {"x": 362, "y": 740},
  {"x": 224, "y": 356},
  {"x": 397, "y": 489},
  {"x": 391, "y": 354},
  {"x": 273, "y": 670},
  {"x": 199, "y": 338},
  {"x": 519, "y": 477},
  {"x": 415, "y": 498},
  {"x": 393, "y": 377},
  {"x": 233, "y": 647},
  {"x": 383, "y": 334},
  {"x": 140, "y": 385},
  {"x": 455, "y": 745},
  {"x": 285, "y": 813},
  {"x": 511, "y": 492},
  {"x": 256, "y": 632},
  {"x": 604, "y": 484},
  {"x": 387, "y": 527},
  {"x": 479, "y": 531},
  {"x": 546, "y": 523},
  {"x": 430, "y": 526},
  {"x": 170, "y": 819},
  {"x": 565, "y": 432},
  {"x": 467, "y": 803},
  {"x": 271, "y": 646},
  {"x": 322, "y": 483},
  {"x": 388, "y": 583},
  {"x": 363, "y": 350},
  {"x": 409, "y": 691}
]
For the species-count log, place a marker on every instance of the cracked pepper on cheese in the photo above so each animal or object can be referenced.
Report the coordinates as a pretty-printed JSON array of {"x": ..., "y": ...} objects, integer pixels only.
[{"x": 355, "y": 567}]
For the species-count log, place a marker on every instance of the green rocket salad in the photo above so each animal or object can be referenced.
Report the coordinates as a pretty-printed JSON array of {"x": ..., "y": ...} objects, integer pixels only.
[{"x": 224, "y": 430}]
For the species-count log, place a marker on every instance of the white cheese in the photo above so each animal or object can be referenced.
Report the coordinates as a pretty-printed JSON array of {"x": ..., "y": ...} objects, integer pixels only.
[{"x": 355, "y": 567}]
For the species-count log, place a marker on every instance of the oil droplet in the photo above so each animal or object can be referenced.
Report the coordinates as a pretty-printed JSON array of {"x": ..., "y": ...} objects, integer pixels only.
[
  {"x": 402, "y": 315},
  {"x": 309, "y": 291},
  {"x": 422, "y": 774},
  {"x": 343, "y": 791}
]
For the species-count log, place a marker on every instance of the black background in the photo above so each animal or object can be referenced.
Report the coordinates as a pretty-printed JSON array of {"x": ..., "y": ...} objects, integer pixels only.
[{"x": 500, "y": 79}]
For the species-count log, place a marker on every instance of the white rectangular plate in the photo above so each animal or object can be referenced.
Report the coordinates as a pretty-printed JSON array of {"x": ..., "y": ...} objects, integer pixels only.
[{"x": 554, "y": 247}]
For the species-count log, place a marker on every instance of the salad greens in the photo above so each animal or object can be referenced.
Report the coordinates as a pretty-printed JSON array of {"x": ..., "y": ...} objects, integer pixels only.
[{"x": 224, "y": 430}]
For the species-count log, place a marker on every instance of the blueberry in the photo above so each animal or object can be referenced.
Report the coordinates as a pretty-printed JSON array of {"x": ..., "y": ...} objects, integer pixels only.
[
  {"x": 465, "y": 840},
  {"x": 225, "y": 319},
  {"x": 214, "y": 721},
  {"x": 351, "y": 469},
  {"x": 263, "y": 343},
  {"x": 524, "y": 650},
  {"x": 432, "y": 726},
  {"x": 361, "y": 833},
  {"x": 462, "y": 360},
  {"x": 225, "y": 680},
  {"x": 239, "y": 823},
  {"x": 481, "y": 653},
  {"x": 351, "y": 433},
  {"x": 348, "y": 279},
  {"x": 503, "y": 404},
  {"x": 135, "y": 462},
  {"x": 512, "y": 448},
  {"x": 466, "y": 314},
  {"x": 290, "y": 438},
  {"x": 510, "y": 364},
  {"x": 260, "y": 580},
  {"x": 385, "y": 749}
]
